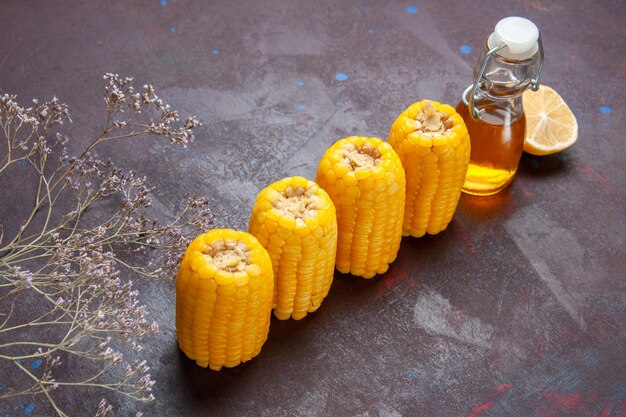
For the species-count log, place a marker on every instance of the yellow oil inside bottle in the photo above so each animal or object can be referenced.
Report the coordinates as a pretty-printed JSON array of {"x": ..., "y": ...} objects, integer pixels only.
[{"x": 497, "y": 141}]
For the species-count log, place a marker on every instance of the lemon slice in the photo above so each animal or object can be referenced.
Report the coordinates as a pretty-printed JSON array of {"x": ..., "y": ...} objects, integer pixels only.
[{"x": 550, "y": 124}]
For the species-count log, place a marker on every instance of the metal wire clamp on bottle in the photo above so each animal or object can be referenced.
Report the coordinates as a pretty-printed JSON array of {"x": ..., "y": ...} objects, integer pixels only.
[{"x": 470, "y": 92}]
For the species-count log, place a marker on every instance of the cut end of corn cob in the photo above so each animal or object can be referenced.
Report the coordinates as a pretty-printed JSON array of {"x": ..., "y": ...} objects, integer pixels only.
[
  {"x": 298, "y": 202},
  {"x": 365, "y": 156},
  {"x": 228, "y": 255},
  {"x": 224, "y": 290},
  {"x": 432, "y": 122},
  {"x": 295, "y": 220},
  {"x": 433, "y": 143},
  {"x": 365, "y": 179}
]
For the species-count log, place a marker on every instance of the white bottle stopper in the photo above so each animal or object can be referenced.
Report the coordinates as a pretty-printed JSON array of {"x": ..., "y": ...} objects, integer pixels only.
[{"x": 518, "y": 34}]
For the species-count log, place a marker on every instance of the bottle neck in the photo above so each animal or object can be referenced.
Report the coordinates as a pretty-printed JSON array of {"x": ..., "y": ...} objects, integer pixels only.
[{"x": 505, "y": 78}]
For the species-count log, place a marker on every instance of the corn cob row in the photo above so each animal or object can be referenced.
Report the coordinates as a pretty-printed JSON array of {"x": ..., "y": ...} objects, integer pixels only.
[
  {"x": 296, "y": 221},
  {"x": 224, "y": 291},
  {"x": 433, "y": 144},
  {"x": 365, "y": 179}
]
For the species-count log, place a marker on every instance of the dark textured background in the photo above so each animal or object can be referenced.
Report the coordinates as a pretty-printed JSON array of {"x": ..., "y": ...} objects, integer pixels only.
[{"x": 516, "y": 310}]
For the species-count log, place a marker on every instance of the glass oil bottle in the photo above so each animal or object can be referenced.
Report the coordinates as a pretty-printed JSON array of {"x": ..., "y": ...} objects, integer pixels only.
[{"x": 511, "y": 62}]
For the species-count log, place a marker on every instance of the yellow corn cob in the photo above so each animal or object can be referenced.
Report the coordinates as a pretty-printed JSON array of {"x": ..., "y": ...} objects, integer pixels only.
[
  {"x": 433, "y": 144},
  {"x": 296, "y": 221},
  {"x": 224, "y": 293},
  {"x": 365, "y": 179}
]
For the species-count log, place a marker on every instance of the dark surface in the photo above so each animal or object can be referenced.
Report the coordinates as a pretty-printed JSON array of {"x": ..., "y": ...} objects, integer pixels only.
[{"x": 516, "y": 310}]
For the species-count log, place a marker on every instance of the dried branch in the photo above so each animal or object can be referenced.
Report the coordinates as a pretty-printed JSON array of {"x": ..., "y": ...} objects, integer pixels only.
[{"x": 64, "y": 271}]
